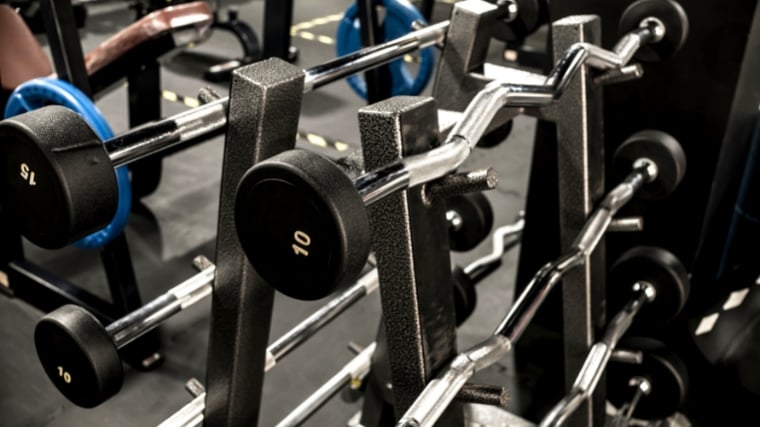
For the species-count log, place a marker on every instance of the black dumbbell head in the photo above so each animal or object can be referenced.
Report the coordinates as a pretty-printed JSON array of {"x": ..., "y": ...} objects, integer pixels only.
[
  {"x": 673, "y": 17},
  {"x": 302, "y": 224},
  {"x": 78, "y": 356},
  {"x": 663, "y": 150},
  {"x": 657, "y": 267},
  {"x": 531, "y": 14},
  {"x": 477, "y": 220},
  {"x": 664, "y": 370},
  {"x": 58, "y": 183}
]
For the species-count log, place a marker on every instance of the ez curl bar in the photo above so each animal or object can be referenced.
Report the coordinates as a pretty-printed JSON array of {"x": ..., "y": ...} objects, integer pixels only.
[{"x": 657, "y": 174}]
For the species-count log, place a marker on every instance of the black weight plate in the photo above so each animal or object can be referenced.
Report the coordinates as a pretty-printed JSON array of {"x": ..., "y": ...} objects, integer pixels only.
[
  {"x": 664, "y": 370},
  {"x": 671, "y": 14},
  {"x": 302, "y": 224},
  {"x": 78, "y": 356},
  {"x": 477, "y": 220},
  {"x": 662, "y": 270},
  {"x": 663, "y": 150}
]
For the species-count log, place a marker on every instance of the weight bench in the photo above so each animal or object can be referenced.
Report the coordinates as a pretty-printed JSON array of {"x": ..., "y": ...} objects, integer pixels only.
[{"x": 152, "y": 36}]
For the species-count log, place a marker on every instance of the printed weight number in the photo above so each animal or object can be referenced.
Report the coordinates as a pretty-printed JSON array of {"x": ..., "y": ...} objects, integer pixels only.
[
  {"x": 303, "y": 240},
  {"x": 65, "y": 375},
  {"x": 27, "y": 174}
]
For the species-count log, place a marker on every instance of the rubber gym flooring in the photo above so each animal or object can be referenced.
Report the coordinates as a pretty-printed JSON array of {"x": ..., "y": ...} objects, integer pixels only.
[{"x": 179, "y": 222}]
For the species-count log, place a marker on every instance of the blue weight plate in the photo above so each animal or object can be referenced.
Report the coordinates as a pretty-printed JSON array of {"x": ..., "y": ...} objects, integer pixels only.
[{"x": 398, "y": 21}]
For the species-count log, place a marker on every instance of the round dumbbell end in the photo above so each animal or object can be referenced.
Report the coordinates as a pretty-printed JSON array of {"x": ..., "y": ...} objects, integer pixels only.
[
  {"x": 663, "y": 150},
  {"x": 302, "y": 224},
  {"x": 670, "y": 14},
  {"x": 665, "y": 372},
  {"x": 657, "y": 267},
  {"x": 530, "y": 16},
  {"x": 59, "y": 185},
  {"x": 476, "y": 216},
  {"x": 78, "y": 356}
]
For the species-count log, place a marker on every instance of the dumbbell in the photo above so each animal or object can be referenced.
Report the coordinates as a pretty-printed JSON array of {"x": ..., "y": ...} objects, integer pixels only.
[
  {"x": 303, "y": 224},
  {"x": 36, "y": 93},
  {"x": 72, "y": 344},
  {"x": 666, "y": 381},
  {"x": 60, "y": 186},
  {"x": 531, "y": 14},
  {"x": 470, "y": 218},
  {"x": 297, "y": 239},
  {"x": 666, "y": 14},
  {"x": 655, "y": 174},
  {"x": 80, "y": 355},
  {"x": 660, "y": 287}
]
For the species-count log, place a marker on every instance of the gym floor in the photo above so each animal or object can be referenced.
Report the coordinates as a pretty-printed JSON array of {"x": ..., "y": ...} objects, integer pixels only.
[{"x": 179, "y": 222}]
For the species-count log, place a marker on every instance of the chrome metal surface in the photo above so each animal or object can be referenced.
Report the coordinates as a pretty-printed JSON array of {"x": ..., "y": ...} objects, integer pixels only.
[
  {"x": 138, "y": 322},
  {"x": 627, "y": 73},
  {"x": 193, "y": 412},
  {"x": 635, "y": 223},
  {"x": 374, "y": 56},
  {"x": 598, "y": 357},
  {"x": 442, "y": 390},
  {"x": 623, "y": 416},
  {"x": 155, "y": 136},
  {"x": 439, "y": 393},
  {"x": 195, "y": 387},
  {"x": 596, "y": 225},
  {"x": 623, "y": 355},
  {"x": 534, "y": 294},
  {"x": 309, "y": 326},
  {"x": 356, "y": 369},
  {"x": 190, "y": 415},
  {"x": 657, "y": 27},
  {"x": 160, "y": 135},
  {"x": 373, "y": 186},
  {"x": 471, "y": 127},
  {"x": 455, "y": 220}
]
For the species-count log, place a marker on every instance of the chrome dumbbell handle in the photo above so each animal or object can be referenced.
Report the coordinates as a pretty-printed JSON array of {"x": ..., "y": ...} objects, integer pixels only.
[
  {"x": 137, "y": 323},
  {"x": 211, "y": 118},
  {"x": 598, "y": 357},
  {"x": 470, "y": 128}
]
